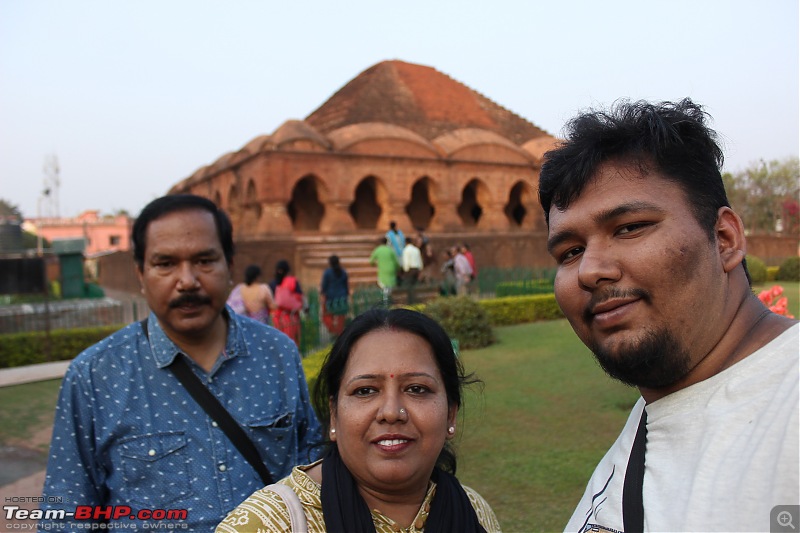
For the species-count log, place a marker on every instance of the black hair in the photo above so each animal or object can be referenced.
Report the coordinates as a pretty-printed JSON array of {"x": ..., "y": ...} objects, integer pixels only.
[
  {"x": 326, "y": 386},
  {"x": 671, "y": 138},
  {"x": 180, "y": 202},
  {"x": 281, "y": 269},
  {"x": 335, "y": 264},
  {"x": 251, "y": 273}
]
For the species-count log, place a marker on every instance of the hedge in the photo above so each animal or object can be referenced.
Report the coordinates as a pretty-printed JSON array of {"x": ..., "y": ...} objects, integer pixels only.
[
  {"x": 19, "y": 349},
  {"x": 521, "y": 309}
]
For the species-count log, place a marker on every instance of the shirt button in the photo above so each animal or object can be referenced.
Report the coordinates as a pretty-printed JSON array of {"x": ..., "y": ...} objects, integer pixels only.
[
  {"x": 151, "y": 453},
  {"x": 214, "y": 424},
  {"x": 210, "y": 379},
  {"x": 222, "y": 468}
]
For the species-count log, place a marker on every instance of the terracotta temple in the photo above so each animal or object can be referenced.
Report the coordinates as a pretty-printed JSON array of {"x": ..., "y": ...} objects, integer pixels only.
[{"x": 400, "y": 142}]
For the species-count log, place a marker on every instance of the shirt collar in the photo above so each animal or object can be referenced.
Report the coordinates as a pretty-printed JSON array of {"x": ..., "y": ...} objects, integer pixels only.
[{"x": 164, "y": 350}]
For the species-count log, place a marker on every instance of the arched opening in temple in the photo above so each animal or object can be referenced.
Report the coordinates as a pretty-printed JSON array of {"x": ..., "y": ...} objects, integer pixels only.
[
  {"x": 251, "y": 207},
  {"x": 515, "y": 208},
  {"x": 304, "y": 209},
  {"x": 233, "y": 203},
  {"x": 420, "y": 210},
  {"x": 470, "y": 210},
  {"x": 366, "y": 209}
]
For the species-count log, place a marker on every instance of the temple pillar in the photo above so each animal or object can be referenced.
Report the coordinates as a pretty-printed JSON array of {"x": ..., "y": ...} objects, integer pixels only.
[
  {"x": 494, "y": 217},
  {"x": 445, "y": 218},
  {"x": 274, "y": 219},
  {"x": 396, "y": 211},
  {"x": 337, "y": 218}
]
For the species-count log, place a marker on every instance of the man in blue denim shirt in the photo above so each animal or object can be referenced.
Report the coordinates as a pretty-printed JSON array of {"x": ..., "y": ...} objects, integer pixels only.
[{"x": 128, "y": 437}]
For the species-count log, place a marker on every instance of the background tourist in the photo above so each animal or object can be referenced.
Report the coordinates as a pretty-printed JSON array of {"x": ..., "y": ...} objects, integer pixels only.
[
  {"x": 384, "y": 258},
  {"x": 289, "y": 301},
  {"x": 463, "y": 271},
  {"x": 334, "y": 292},
  {"x": 395, "y": 239},
  {"x": 252, "y": 298}
]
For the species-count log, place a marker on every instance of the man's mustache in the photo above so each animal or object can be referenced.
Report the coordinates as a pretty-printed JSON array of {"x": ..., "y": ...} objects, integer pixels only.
[
  {"x": 611, "y": 293},
  {"x": 190, "y": 298}
]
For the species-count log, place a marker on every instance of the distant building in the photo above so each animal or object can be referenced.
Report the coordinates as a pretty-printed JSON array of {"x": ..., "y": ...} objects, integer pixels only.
[
  {"x": 102, "y": 234},
  {"x": 400, "y": 142}
]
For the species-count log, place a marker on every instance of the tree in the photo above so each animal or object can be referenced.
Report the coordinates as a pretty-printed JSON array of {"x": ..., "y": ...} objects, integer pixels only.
[
  {"x": 7, "y": 209},
  {"x": 767, "y": 195}
]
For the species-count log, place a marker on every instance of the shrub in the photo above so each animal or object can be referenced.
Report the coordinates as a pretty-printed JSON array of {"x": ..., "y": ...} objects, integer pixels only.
[
  {"x": 772, "y": 273},
  {"x": 312, "y": 364},
  {"x": 521, "y": 309},
  {"x": 464, "y": 319},
  {"x": 17, "y": 349},
  {"x": 519, "y": 288},
  {"x": 757, "y": 269},
  {"x": 789, "y": 270}
]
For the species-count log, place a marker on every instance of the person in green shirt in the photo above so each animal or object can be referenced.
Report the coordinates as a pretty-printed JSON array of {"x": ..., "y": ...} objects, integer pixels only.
[{"x": 384, "y": 258}]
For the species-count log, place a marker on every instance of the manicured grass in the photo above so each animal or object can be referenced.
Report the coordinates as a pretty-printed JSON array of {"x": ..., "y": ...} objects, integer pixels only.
[
  {"x": 547, "y": 415},
  {"x": 27, "y": 409}
]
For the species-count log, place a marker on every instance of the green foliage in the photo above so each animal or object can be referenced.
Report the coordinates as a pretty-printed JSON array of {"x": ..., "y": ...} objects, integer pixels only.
[
  {"x": 789, "y": 270},
  {"x": 464, "y": 319},
  {"x": 521, "y": 309},
  {"x": 765, "y": 193},
  {"x": 312, "y": 364},
  {"x": 757, "y": 269},
  {"x": 7, "y": 209},
  {"x": 17, "y": 349},
  {"x": 772, "y": 273},
  {"x": 519, "y": 288}
]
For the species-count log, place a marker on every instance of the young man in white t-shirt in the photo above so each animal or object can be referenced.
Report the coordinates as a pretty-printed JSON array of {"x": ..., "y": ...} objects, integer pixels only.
[{"x": 652, "y": 278}]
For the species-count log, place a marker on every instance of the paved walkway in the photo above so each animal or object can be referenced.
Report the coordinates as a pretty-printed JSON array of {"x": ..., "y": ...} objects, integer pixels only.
[{"x": 31, "y": 373}]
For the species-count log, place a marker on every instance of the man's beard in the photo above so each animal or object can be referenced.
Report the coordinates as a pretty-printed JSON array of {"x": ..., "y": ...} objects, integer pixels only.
[{"x": 654, "y": 361}]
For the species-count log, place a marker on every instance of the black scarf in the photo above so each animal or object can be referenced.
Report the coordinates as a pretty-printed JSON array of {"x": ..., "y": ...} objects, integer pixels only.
[{"x": 345, "y": 511}]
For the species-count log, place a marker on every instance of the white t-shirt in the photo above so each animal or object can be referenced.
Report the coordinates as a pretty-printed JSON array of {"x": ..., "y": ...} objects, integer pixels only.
[{"x": 720, "y": 454}]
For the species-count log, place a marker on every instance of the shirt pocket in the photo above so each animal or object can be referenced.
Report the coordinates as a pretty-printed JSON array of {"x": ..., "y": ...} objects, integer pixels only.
[
  {"x": 275, "y": 438},
  {"x": 155, "y": 469}
]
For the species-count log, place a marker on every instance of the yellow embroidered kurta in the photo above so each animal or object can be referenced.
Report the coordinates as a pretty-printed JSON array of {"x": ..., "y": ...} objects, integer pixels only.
[{"x": 264, "y": 511}]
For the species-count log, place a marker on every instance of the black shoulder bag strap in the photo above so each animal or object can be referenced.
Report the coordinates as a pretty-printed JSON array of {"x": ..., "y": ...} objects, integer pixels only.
[
  {"x": 209, "y": 402},
  {"x": 632, "y": 504}
]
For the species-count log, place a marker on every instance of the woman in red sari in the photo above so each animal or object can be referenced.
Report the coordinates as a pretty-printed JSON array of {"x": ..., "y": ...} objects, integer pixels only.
[{"x": 288, "y": 296}]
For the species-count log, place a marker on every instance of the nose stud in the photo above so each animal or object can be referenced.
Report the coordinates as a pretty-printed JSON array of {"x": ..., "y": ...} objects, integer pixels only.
[{"x": 402, "y": 411}]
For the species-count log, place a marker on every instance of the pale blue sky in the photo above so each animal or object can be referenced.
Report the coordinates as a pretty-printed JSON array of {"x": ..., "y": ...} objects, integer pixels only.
[{"x": 133, "y": 96}]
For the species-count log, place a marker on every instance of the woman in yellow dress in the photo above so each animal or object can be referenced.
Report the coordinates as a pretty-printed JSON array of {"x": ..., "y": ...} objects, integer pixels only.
[{"x": 389, "y": 394}]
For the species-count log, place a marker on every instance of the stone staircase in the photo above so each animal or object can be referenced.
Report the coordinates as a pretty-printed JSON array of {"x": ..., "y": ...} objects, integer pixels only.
[{"x": 353, "y": 252}]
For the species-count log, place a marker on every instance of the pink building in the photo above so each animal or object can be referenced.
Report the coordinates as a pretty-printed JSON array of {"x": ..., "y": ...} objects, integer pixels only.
[{"x": 108, "y": 233}]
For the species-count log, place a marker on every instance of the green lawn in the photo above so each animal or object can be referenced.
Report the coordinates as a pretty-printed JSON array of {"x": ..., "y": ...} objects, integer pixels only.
[
  {"x": 27, "y": 410},
  {"x": 547, "y": 415}
]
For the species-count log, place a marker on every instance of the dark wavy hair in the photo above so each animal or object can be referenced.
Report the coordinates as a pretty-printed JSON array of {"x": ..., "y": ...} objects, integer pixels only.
[
  {"x": 670, "y": 138},
  {"x": 171, "y": 204},
  {"x": 251, "y": 274},
  {"x": 326, "y": 387}
]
